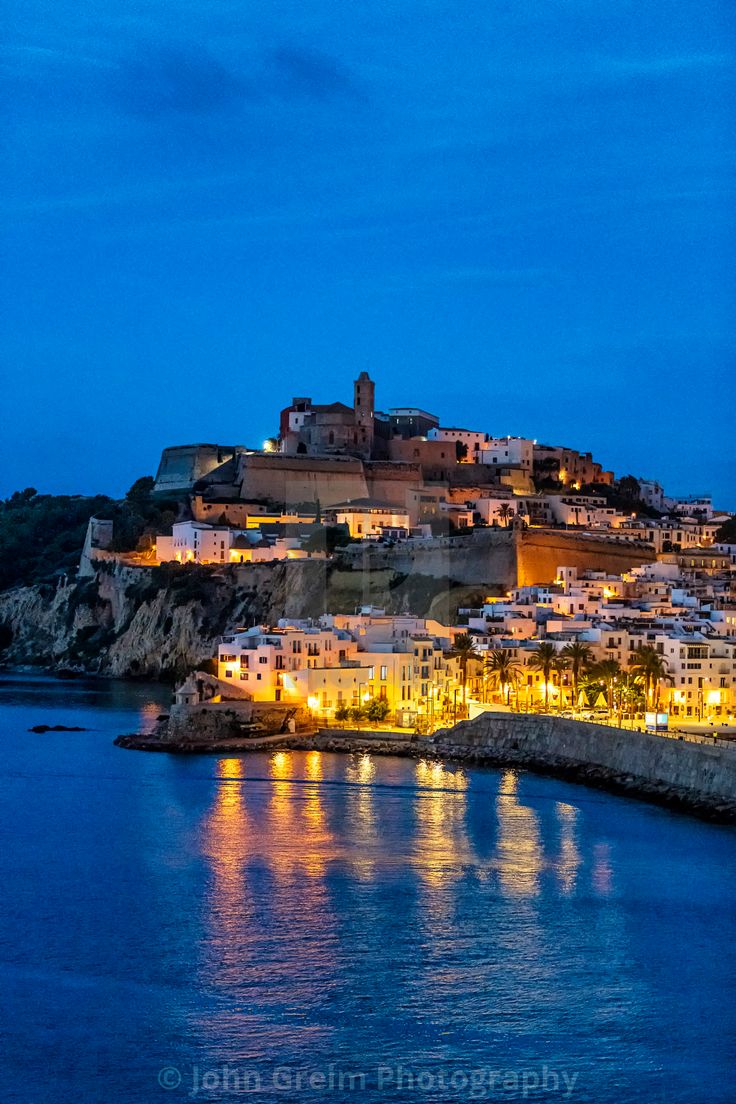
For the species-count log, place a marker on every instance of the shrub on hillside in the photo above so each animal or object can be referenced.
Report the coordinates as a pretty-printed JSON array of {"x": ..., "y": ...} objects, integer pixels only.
[{"x": 41, "y": 536}]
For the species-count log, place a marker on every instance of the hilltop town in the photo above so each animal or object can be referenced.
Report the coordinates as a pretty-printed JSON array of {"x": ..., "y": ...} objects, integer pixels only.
[
  {"x": 396, "y": 477},
  {"x": 571, "y": 590}
]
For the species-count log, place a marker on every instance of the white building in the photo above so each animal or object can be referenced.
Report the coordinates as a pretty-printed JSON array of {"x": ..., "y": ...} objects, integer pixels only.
[
  {"x": 702, "y": 671},
  {"x": 668, "y": 534},
  {"x": 365, "y": 517},
  {"x": 590, "y": 511},
  {"x": 691, "y": 506},
  {"x": 508, "y": 451},
  {"x": 652, "y": 493},
  {"x": 501, "y": 509},
  {"x": 472, "y": 439},
  {"x": 196, "y": 542},
  {"x": 346, "y": 661},
  {"x": 263, "y": 661}
]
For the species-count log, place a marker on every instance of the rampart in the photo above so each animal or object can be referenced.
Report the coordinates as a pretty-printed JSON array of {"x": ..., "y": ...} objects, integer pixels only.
[
  {"x": 503, "y": 557},
  {"x": 293, "y": 480},
  {"x": 182, "y": 465}
]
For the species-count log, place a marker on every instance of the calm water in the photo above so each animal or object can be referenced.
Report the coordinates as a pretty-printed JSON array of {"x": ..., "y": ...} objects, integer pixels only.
[{"x": 272, "y": 923}]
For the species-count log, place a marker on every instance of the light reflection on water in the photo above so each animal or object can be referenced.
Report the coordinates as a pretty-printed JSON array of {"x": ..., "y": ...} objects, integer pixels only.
[
  {"x": 360, "y": 772},
  {"x": 568, "y": 861},
  {"x": 519, "y": 854},
  {"x": 301, "y": 909},
  {"x": 226, "y": 843},
  {"x": 281, "y": 844}
]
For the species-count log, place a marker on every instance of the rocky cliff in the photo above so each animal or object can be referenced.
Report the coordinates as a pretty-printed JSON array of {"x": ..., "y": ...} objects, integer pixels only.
[
  {"x": 125, "y": 621},
  {"x": 162, "y": 622}
]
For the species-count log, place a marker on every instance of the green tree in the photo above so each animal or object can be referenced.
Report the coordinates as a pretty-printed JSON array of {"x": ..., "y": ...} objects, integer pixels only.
[
  {"x": 342, "y": 714},
  {"x": 327, "y": 538},
  {"x": 502, "y": 670},
  {"x": 505, "y": 513},
  {"x": 42, "y": 536},
  {"x": 377, "y": 710},
  {"x": 727, "y": 533},
  {"x": 21, "y": 498},
  {"x": 141, "y": 490},
  {"x": 463, "y": 650},
  {"x": 649, "y": 668},
  {"x": 608, "y": 671},
  {"x": 357, "y": 714},
  {"x": 559, "y": 666},
  {"x": 543, "y": 659},
  {"x": 580, "y": 658},
  {"x": 629, "y": 488},
  {"x": 631, "y": 693}
]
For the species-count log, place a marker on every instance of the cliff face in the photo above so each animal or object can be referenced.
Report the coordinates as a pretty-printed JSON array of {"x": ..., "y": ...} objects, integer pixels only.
[
  {"x": 126, "y": 621},
  {"x": 161, "y": 623}
]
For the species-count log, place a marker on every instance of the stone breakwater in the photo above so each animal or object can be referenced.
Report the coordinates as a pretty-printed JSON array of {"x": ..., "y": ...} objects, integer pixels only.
[
  {"x": 219, "y": 726},
  {"x": 690, "y": 777},
  {"x": 694, "y": 777}
]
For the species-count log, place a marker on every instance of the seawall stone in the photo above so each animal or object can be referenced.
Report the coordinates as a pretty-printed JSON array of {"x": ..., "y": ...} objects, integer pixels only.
[{"x": 694, "y": 776}]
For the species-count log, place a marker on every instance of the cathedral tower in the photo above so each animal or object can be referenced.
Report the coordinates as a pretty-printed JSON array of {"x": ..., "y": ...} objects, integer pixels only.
[{"x": 364, "y": 395}]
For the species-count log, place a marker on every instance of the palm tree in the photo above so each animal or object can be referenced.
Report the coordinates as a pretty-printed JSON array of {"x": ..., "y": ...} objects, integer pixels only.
[
  {"x": 580, "y": 657},
  {"x": 464, "y": 650},
  {"x": 608, "y": 671},
  {"x": 505, "y": 512},
  {"x": 649, "y": 668},
  {"x": 502, "y": 669},
  {"x": 629, "y": 690},
  {"x": 543, "y": 659},
  {"x": 559, "y": 666}
]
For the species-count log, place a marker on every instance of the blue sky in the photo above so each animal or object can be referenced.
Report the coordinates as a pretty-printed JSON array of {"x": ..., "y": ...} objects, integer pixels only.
[{"x": 518, "y": 215}]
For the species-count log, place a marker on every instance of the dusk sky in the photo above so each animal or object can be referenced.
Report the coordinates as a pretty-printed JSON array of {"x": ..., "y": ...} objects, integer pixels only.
[{"x": 517, "y": 215}]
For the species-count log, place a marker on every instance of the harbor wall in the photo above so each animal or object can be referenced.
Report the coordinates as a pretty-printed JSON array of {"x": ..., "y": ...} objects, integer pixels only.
[
  {"x": 692, "y": 777},
  {"x": 677, "y": 771}
]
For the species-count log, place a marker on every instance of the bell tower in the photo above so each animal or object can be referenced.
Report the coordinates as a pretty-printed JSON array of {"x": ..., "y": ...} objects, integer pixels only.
[{"x": 364, "y": 405}]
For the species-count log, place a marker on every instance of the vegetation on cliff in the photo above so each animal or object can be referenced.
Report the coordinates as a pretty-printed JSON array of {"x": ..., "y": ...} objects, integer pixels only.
[
  {"x": 138, "y": 518},
  {"x": 41, "y": 536},
  {"x": 624, "y": 495}
]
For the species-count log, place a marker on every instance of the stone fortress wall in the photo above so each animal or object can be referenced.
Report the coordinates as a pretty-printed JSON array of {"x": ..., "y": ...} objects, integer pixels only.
[
  {"x": 503, "y": 557},
  {"x": 293, "y": 480},
  {"x": 539, "y": 552},
  {"x": 182, "y": 465}
]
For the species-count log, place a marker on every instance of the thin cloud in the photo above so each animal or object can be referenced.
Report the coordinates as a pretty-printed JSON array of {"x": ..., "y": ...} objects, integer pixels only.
[
  {"x": 163, "y": 81},
  {"x": 305, "y": 72},
  {"x": 659, "y": 66}
]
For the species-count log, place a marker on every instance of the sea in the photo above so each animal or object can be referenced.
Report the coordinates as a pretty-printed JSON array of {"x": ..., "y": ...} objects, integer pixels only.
[{"x": 319, "y": 927}]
